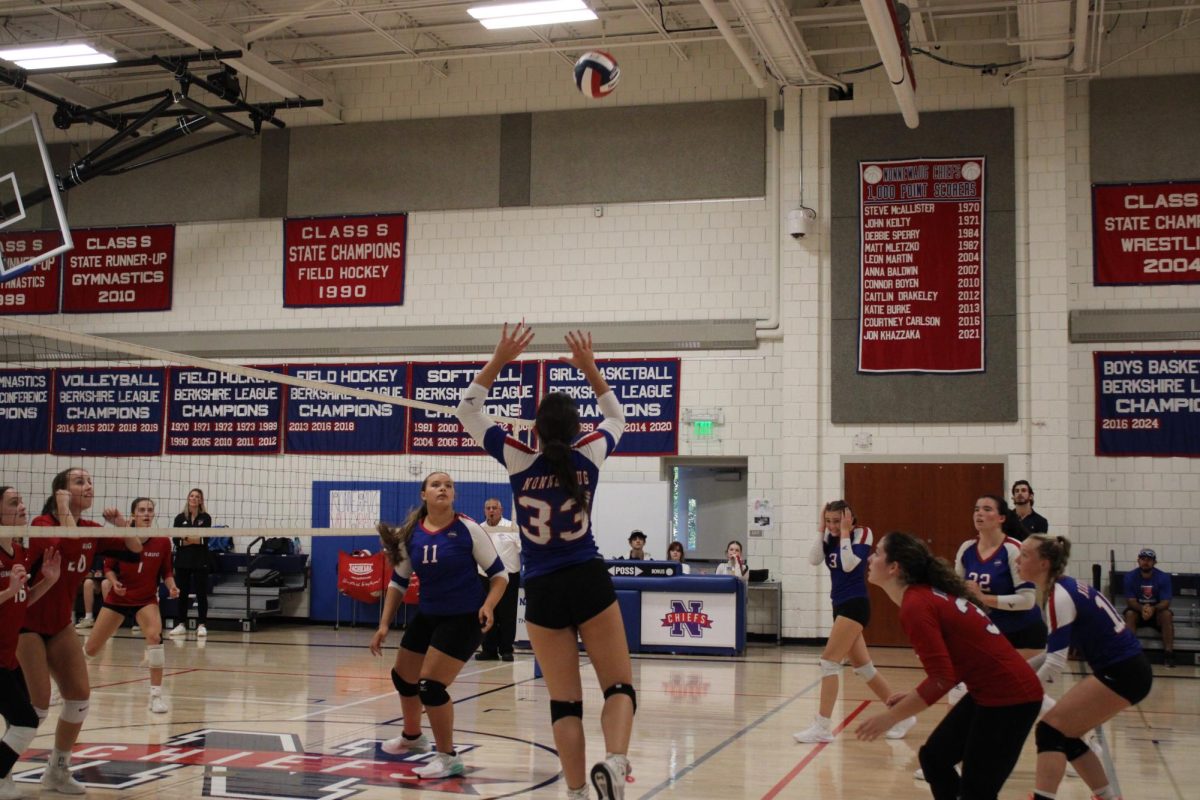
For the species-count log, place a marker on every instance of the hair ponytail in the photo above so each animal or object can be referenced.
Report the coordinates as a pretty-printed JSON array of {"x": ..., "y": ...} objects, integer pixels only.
[
  {"x": 557, "y": 426},
  {"x": 919, "y": 566},
  {"x": 1056, "y": 551},
  {"x": 395, "y": 539},
  {"x": 61, "y": 481}
]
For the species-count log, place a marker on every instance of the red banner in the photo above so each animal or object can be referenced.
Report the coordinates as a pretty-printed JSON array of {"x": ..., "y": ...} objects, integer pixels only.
[
  {"x": 922, "y": 269},
  {"x": 1146, "y": 233},
  {"x": 344, "y": 261},
  {"x": 119, "y": 269},
  {"x": 35, "y": 290}
]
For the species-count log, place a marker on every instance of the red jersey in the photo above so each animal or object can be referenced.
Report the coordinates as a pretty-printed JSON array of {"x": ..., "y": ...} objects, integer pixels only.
[
  {"x": 56, "y": 609},
  {"x": 956, "y": 642},
  {"x": 12, "y": 613},
  {"x": 141, "y": 578}
]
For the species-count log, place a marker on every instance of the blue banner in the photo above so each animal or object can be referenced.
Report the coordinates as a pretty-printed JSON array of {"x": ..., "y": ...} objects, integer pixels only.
[
  {"x": 212, "y": 413},
  {"x": 320, "y": 422},
  {"x": 648, "y": 389},
  {"x": 110, "y": 411},
  {"x": 25, "y": 410},
  {"x": 514, "y": 394},
  {"x": 1148, "y": 403}
]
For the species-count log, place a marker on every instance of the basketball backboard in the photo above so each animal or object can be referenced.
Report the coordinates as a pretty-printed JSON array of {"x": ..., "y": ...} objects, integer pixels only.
[{"x": 33, "y": 224}]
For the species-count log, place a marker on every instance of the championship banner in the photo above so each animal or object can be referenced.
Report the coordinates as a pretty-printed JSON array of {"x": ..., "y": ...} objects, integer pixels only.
[
  {"x": 344, "y": 261},
  {"x": 108, "y": 411},
  {"x": 922, "y": 271},
  {"x": 648, "y": 390},
  {"x": 323, "y": 423},
  {"x": 1148, "y": 403},
  {"x": 119, "y": 269},
  {"x": 25, "y": 410},
  {"x": 514, "y": 394},
  {"x": 1145, "y": 233},
  {"x": 222, "y": 413},
  {"x": 34, "y": 290}
]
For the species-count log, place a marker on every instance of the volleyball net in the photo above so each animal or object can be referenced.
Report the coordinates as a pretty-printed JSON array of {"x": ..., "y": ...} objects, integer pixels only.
[{"x": 279, "y": 448}]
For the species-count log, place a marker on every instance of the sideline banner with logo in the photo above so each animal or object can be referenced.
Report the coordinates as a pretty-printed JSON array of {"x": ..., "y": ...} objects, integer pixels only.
[
  {"x": 25, "y": 410},
  {"x": 921, "y": 278},
  {"x": 1145, "y": 233},
  {"x": 1148, "y": 403},
  {"x": 681, "y": 619},
  {"x": 119, "y": 269},
  {"x": 344, "y": 261},
  {"x": 323, "y": 423},
  {"x": 648, "y": 389},
  {"x": 111, "y": 411}
]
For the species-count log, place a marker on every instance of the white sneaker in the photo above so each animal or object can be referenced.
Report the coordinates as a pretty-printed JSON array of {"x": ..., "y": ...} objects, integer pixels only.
[
  {"x": 178, "y": 630},
  {"x": 581, "y": 793},
  {"x": 901, "y": 728},
  {"x": 201, "y": 631},
  {"x": 58, "y": 779},
  {"x": 55, "y": 696},
  {"x": 817, "y": 732},
  {"x": 84, "y": 624},
  {"x": 608, "y": 777},
  {"x": 158, "y": 705},
  {"x": 918, "y": 774},
  {"x": 136, "y": 629},
  {"x": 442, "y": 765},
  {"x": 8, "y": 789},
  {"x": 402, "y": 745}
]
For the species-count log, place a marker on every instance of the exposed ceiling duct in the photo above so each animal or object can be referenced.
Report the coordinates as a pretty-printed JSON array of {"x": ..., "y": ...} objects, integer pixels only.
[{"x": 892, "y": 44}]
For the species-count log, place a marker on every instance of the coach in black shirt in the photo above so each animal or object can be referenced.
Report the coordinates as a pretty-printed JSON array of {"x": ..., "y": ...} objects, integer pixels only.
[{"x": 1028, "y": 521}]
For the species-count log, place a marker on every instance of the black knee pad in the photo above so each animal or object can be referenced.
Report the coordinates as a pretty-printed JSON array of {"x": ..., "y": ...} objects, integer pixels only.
[
  {"x": 405, "y": 688},
  {"x": 1076, "y": 748},
  {"x": 622, "y": 688},
  {"x": 565, "y": 708},
  {"x": 433, "y": 694},
  {"x": 1049, "y": 739}
]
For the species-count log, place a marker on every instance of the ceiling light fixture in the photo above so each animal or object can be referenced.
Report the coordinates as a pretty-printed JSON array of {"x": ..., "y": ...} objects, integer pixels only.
[
  {"x": 524, "y": 15},
  {"x": 55, "y": 56}
]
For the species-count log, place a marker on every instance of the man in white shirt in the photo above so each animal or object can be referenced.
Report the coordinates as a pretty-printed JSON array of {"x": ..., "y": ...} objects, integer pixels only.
[{"x": 498, "y": 642}]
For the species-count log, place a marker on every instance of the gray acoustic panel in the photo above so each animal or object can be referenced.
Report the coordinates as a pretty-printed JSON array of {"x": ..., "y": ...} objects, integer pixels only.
[
  {"x": 514, "y": 159},
  {"x": 687, "y": 151},
  {"x": 611, "y": 337},
  {"x": 218, "y": 182},
  {"x": 1135, "y": 325},
  {"x": 989, "y": 396},
  {"x": 407, "y": 165},
  {"x": 1144, "y": 129},
  {"x": 273, "y": 173}
]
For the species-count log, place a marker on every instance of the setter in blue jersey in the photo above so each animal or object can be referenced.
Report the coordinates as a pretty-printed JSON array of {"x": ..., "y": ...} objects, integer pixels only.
[{"x": 568, "y": 591}]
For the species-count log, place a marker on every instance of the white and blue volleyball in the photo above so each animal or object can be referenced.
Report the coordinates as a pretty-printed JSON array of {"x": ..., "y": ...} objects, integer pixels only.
[{"x": 596, "y": 74}]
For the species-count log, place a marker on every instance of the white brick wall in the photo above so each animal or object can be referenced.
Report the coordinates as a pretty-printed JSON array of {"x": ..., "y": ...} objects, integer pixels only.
[{"x": 714, "y": 260}]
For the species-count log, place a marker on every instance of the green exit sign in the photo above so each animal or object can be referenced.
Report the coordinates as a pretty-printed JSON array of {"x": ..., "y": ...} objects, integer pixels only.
[{"x": 702, "y": 429}]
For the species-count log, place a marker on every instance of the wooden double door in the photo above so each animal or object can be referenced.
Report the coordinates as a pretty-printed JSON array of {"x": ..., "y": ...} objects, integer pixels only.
[{"x": 933, "y": 501}]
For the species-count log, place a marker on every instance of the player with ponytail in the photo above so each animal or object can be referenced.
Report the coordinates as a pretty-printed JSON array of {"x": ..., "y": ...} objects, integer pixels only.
[{"x": 568, "y": 591}]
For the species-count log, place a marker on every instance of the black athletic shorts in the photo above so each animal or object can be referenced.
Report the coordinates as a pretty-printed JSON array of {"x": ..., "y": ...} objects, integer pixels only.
[
  {"x": 1130, "y": 678},
  {"x": 856, "y": 608},
  {"x": 1031, "y": 637},
  {"x": 569, "y": 597},
  {"x": 456, "y": 635}
]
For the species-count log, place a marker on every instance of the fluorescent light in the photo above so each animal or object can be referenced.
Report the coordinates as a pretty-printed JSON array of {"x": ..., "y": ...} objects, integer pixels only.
[
  {"x": 55, "y": 56},
  {"x": 541, "y": 12}
]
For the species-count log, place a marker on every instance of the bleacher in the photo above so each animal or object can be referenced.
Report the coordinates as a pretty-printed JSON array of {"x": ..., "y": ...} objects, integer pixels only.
[{"x": 1185, "y": 604}]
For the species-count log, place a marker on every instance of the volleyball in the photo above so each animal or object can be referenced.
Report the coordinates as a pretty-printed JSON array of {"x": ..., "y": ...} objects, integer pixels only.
[{"x": 596, "y": 74}]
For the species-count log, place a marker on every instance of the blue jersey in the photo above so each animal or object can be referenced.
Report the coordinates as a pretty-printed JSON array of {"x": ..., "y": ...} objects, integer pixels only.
[
  {"x": 447, "y": 562},
  {"x": 852, "y": 583},
  {"x": 557, "y": 532},
  {"x": 1148, "y": 591},
  {"x": 997, "y": 575},
  {"x": 1080, "y": 616}
]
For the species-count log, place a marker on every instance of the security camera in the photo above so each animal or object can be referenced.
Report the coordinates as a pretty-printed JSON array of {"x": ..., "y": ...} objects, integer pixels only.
[{"x": 798, "y": 221}]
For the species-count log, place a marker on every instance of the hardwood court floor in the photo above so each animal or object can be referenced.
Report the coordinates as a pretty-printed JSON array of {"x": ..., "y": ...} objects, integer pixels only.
[{"x": 299, "y": 712}]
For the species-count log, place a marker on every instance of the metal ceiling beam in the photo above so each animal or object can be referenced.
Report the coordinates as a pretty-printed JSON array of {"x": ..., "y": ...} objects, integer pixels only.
[
  {"x": 191, "y": 30},
  {"x": 68, "y": 90},
  {"x": 288, "y": 19},
  {"x": 662, "y": 31}
]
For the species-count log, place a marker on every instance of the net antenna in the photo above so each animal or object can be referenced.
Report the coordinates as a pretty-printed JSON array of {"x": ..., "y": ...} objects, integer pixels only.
[{"x": 27, "y": 180}]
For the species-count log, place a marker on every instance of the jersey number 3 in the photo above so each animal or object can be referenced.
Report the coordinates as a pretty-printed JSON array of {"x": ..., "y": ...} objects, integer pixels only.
[{"x": 539, "y": 530}]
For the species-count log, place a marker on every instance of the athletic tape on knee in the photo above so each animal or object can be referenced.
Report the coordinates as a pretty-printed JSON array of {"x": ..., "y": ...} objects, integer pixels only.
[
  {"x": 565, "y": 708},
  {"x": 156, "y": 657},
  {"x": 829, "y": 668},
  {"x": 74, "y": 710},
  {"x": 405, "y": 688},
  {"x": 622, "y": 688},
  {"x": 867, "y": 671},
  {"x": 19, "y": 738},
  {"x": 433, "y": 693}
]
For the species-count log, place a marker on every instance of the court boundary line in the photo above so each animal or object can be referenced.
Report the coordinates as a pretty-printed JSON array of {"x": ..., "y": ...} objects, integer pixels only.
[{"x": 812, "y": 754}]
